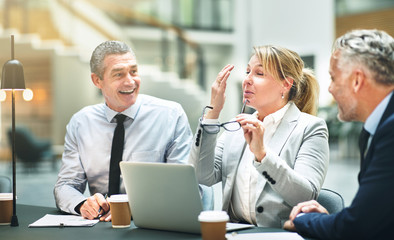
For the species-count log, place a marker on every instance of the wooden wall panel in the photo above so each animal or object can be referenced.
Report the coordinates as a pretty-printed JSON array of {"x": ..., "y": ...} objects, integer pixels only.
[{"x": 382, "y": 20}]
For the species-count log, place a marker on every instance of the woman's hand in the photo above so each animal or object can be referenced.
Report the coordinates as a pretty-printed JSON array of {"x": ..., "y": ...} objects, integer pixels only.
[
  {"x": 218, "y": 92},
  {"x": 254, "y": 134}
]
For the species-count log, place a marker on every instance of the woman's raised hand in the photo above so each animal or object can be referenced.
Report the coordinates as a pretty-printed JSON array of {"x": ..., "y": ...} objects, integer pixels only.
[{"x": 218, "y": 89}]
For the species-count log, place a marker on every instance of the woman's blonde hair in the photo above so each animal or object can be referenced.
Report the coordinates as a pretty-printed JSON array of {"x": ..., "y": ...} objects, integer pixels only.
[{"x": 283, "y": 63}]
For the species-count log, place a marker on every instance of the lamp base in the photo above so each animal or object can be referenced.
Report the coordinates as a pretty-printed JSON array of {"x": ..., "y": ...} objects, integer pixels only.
[{"x": 14, "y": 221}]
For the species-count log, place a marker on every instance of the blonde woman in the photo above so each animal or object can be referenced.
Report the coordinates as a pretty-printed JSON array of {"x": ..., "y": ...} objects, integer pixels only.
[{"x": 270, "y": 160}]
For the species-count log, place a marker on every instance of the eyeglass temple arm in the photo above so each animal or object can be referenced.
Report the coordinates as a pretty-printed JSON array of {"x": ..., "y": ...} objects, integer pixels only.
[
  {"x": 203, "y": 111},
  {"x": 243, "y": 106}
]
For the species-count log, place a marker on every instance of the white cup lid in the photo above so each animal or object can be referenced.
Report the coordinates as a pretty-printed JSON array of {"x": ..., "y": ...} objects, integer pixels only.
[
  {"x": 213, "y": 216},
  {"x": 118, "y": 198},
  {"x": 5, "y": 196}
]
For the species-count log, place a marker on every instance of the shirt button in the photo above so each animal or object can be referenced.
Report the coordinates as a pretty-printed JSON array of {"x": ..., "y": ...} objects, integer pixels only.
[{"x": 260, "y": 209}]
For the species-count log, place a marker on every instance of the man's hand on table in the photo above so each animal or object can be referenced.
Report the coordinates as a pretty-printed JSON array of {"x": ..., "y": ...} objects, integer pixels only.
[
  {"x": 96, "y": 206},
  {"x": 304, "y": 207}
]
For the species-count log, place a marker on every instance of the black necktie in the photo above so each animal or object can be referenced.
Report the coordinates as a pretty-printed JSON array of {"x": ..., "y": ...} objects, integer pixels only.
[
  {"x": 363, "y": 141},
  {"x": 116, "y": 156}
]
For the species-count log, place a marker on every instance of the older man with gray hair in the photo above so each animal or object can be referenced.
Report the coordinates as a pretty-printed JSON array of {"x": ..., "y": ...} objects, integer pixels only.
[
  {"x": 129, "y": 126},
  {"x": 362, "y": 74}
]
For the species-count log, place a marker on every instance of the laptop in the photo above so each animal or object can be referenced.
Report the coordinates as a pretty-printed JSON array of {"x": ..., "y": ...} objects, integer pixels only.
[{"x": 165, "y": 196}]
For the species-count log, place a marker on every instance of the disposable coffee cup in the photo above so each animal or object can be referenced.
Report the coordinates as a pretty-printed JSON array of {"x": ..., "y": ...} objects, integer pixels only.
[
  {"x": 213, "y": 224},
  {"x": 5, "y": 208},
  {"x": 120, "y": 211}
]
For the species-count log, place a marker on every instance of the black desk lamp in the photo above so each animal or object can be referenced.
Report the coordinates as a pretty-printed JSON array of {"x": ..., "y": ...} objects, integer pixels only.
[{"x": 13, "y": 79}]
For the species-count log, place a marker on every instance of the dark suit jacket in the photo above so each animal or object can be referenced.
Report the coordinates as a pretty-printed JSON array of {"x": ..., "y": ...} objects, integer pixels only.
[{"x": 371, "y": 214}]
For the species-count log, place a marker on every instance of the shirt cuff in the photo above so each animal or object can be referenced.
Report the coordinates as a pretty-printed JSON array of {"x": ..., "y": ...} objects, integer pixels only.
[
  {"x": 257, "y": 163},
  {"x": 210, "y": 121},
  {"x": 77, "y": 209}
]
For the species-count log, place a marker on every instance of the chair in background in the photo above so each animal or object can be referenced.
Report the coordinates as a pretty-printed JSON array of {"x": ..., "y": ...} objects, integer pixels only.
[
  {"x": 331, "y": 200},
  {"x": 29, "y": 149},
  {"x": 5, "y": 184}
]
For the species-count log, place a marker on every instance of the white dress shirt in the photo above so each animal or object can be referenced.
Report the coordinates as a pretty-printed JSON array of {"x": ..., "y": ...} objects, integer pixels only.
[{"x": 156, "y": 130}]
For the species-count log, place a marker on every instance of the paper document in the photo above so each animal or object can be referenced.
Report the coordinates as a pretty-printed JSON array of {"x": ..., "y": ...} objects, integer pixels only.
[
  {"x": 50, "y": 220},
  {"x": 265, "y": 235},
  {"x": 237, "y": 226}
]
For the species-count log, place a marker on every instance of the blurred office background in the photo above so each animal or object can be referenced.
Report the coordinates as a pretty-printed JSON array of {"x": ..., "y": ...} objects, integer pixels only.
[{"x": 180, "y": 45}]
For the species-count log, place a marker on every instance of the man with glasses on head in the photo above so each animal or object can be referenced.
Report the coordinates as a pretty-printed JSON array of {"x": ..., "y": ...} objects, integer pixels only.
[{"x": 269, "y": 160}]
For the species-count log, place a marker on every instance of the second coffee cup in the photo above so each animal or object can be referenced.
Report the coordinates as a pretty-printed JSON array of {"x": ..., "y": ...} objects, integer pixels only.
[
  {"x": 213, "y": 224},
  {"x": 120, "y": 210}
]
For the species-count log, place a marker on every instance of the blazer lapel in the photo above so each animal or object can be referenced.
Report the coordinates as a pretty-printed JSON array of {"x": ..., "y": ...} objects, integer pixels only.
[
  {"x": 284, "y": 129},
  {"x": 237, "y": 148},
  {"x": 279, "y": 139}
]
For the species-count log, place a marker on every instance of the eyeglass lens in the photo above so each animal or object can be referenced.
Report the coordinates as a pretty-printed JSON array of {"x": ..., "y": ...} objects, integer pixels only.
[{"x": 229, "y": 126}]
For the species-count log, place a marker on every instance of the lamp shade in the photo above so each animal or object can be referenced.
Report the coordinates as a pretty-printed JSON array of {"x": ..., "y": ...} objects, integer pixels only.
[{"x": 12, "y": 76}]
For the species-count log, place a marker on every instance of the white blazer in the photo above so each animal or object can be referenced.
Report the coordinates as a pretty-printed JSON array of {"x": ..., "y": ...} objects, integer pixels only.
[{"x": 294, "y": 168}]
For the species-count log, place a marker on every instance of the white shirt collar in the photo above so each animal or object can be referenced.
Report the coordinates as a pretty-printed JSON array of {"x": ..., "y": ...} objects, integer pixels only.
[
  {"x": 130, "y": 112},
  {"x": 277, "y": 116}
]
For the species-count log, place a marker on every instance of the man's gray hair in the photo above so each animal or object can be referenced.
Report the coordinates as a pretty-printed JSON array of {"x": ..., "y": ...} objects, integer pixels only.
[
  {"x": 104, "y": 49},
  {"x": 371, "y": 48}
]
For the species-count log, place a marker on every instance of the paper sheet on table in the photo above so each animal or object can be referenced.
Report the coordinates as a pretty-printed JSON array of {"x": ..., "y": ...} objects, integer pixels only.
[
  {"x": 50, "y": 220},
  {"x": 265, "y": 235}
]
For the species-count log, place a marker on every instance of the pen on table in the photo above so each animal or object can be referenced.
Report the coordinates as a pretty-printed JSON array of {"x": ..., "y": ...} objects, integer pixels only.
[{"x": 99, "y": 215}]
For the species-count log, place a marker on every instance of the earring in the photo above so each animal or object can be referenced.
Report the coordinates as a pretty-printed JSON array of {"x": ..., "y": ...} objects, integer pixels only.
[{"x": 283, "y": 96}]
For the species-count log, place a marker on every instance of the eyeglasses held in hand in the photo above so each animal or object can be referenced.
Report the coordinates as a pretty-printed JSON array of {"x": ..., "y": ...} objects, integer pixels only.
[{"x": 231, "y": 126}]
